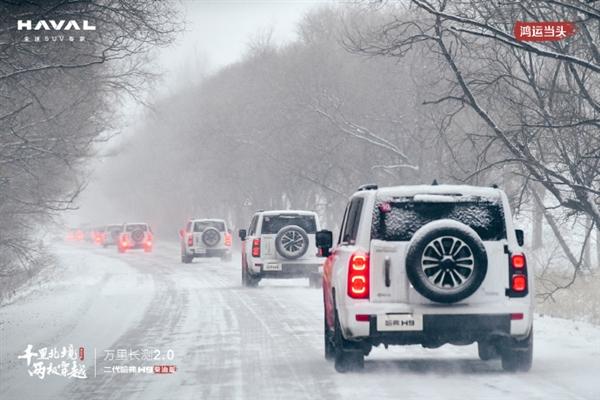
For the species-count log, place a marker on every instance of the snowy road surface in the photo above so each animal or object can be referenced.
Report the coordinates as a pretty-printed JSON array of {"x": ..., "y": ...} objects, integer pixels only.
[{"x": 230, "y": 342}]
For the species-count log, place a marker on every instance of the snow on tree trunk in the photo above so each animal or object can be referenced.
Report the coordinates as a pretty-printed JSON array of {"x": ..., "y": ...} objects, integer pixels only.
[{"x": 538, "y": 220}]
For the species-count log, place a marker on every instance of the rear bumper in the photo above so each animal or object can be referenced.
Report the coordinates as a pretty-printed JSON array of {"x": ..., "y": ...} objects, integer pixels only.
[
  {"x": 289, "y": 269},
  {"x": 136, "y": 245},
  {"x": 218, "y": 252},
  {"x": 441, "y": 329},
  {"x": 456, "y": 324}
]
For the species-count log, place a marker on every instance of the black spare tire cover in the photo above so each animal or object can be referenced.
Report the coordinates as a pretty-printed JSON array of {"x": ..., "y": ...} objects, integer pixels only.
[
  {"x": 291, "y": 242},
  {"x": 446, "y": 261},
  {"x": 211, "y": 237}
]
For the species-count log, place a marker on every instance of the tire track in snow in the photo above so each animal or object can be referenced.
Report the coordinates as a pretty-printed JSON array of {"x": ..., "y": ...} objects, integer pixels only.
[{"x": 153, "y": 331}]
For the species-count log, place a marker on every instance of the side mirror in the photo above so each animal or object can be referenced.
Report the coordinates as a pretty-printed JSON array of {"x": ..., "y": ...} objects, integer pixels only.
[
  {"x": 181, "y": 232},
  {"x": 520, "y": 236},
  {"x": 242, "y": 234},
  {"x": 324, "y": 240}
]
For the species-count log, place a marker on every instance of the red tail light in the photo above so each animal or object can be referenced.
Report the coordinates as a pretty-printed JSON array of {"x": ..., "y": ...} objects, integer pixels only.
[
  {"x": 99, "y": 237},
  {"x": 518, "y": 261},
  {"x": 518, "y": 275},
  {"x": 191, "y": 240},
  {"x": 256, "y": 247},
  {"x": 228, "y": 239},
  {"x": 358, "y": 275},
  {"x": 519, "y": 283}
]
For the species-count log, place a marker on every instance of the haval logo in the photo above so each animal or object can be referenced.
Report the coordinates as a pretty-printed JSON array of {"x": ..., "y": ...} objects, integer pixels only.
[{"x": 54, "y": 25}]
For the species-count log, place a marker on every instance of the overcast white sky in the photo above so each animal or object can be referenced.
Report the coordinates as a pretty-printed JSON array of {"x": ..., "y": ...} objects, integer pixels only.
[{"x": 217, "y": 33}]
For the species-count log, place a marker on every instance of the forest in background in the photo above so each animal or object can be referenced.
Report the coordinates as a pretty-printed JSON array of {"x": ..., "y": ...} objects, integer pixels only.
[
  {"x": 387, "y": 92},
  {"x": 393, "y": 95},
  {"x": 60, "y": 101}
]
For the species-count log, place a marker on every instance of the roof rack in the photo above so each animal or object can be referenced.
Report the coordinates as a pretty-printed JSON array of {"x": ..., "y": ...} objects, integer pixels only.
[{"x": 368, "y": 186}]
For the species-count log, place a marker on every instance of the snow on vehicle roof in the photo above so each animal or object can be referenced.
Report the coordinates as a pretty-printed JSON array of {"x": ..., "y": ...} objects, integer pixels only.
[
  {"x": 136, "y": 223},
  {"x": 207, "y": 219},
  {"x": 276, "y": 212},
  {"x": 448, "y": 190}
]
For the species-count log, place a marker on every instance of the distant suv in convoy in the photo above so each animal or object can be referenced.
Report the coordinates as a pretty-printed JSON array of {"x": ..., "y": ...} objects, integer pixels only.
[
  {"x": 96, "y": 234},
  {"x": 75, "y": 235},
  {"x": 205, "y": 238},
  {"x": 110, "y": 235},
  {"x": 135, "y": 236},
  {"x": 427, "y": 265},
  {"x": 281, "y": 244}
]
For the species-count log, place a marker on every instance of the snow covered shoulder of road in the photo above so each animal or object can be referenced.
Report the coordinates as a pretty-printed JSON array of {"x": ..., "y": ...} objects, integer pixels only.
[{"x": 84, "y": 299}]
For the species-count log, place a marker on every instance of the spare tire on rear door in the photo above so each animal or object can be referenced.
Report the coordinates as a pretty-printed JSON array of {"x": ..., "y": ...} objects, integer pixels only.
[
  {"x": 291, "y": 242},
  {"x": 137, "y": 235},
  {"x": 446, "y": 261},
  {"x": 211, "y": 237}
]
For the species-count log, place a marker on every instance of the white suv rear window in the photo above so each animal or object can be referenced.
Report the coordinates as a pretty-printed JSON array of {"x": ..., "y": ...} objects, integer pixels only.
[
  {"x": 398, "y": 220},
  {"x": 200, "y": 226},
  {"x": 136, "y": 227},
  {"x": 273, "y": 223}
]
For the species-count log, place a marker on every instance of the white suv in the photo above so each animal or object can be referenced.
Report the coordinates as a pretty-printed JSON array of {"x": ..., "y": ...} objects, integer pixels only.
[
  {"x": 111, "y": 233},
  {"x": 427, "y": 265},
  {"x": 205, "y": 238},
  {"x": 135, "y": 235},
  {"x": 281, "y": 244}
]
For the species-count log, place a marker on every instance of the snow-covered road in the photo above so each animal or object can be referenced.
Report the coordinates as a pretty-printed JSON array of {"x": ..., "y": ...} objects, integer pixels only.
[{"x": 231, "y": 342}]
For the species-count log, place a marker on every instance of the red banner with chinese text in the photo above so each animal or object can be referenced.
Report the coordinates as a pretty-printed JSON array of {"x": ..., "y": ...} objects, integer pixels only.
[{"x": 543, "y": 31}]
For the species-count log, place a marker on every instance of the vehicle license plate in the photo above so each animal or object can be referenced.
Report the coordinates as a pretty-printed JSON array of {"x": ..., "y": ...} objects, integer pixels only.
[
  {"x": 400, "y": 322},
  {"x": 272, "y": 267}
]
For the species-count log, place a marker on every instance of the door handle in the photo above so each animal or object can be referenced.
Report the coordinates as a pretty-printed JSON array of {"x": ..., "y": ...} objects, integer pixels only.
[{"x": 386, "y": 267}]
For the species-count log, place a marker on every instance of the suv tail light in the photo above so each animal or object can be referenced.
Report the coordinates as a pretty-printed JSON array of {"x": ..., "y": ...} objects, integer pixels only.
[
  {"x": 518, "y": 275},
  {"x": 256, "y": 247},
  {"x": 227, "y": 239},
  {"x": 358, "y": 275},
  {"x": 518, "y": 261},
  {"x": 191, "y": 239},
  {"x": 519, "y": 283},
  {"x": 149, "y": 239}
]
